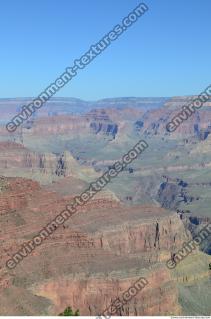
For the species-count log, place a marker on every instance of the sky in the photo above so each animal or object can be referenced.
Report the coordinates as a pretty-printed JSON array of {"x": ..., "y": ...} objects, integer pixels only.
[{"x": 165, "y": 53}]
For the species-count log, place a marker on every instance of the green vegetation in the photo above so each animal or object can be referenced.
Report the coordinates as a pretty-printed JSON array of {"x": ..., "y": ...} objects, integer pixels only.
[
  {"x": 3, "y": 184},
  {"x": 69, "y": 312}
]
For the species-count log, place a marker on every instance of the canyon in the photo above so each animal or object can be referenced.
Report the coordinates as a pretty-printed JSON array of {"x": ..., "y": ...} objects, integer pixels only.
[{"x": 128, "y": 230}]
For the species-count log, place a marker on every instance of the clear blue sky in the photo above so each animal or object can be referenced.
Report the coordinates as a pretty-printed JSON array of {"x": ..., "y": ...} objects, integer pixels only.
[{"x": 167, "y": 52}]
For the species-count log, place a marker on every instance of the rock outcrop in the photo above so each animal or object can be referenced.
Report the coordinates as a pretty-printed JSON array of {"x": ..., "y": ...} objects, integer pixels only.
[{"x": 98, "y": 254}]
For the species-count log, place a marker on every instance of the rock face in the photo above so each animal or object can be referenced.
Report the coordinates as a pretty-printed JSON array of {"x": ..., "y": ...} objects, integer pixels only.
[
  {"x": 128, "y": 230},
  {"x": 172, "y": 192},
  {"x": 111, "y": 119},
  {"x": 95, "y": 122},
  {"x": 15, "y": 157},
  {"x": 93, "y": 295},
  {"x": 68, "y": 106},
  {"x": 101, "y": 123},
  {"x": 15, "y": 193},
  {"x": 112, "y": 247}
]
